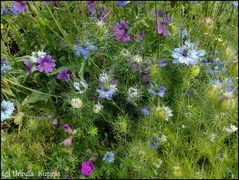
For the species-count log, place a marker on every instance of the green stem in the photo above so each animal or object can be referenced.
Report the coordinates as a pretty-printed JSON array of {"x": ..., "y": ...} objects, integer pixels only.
[{"x": 17, "y": 84}]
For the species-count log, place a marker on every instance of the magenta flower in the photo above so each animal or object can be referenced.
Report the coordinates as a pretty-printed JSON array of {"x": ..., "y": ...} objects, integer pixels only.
[
  {"x": 67, "y": 128},
  {"x": 87, "y": 168},
  {"x": 46, "y": 64},
  {"x": 64, "y": 75},
  {"x": 121, "y": 31},
  {"x": 28, "y": 66},
  {"x": 18, "y": 7},
  {"x": 68, "y": 142}
]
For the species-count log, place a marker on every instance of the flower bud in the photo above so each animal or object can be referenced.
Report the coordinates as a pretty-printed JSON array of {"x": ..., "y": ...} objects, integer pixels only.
[
  {"x": 211, "y": 91},
  {"x": 177, "y": 171},
  {"x": 160, "y": 113},
  {"x": 233, "y": 69},
  {"x": 194, "y": 71},
  {"x": 225, "y": 104},
  {"x": 154, "y": 72}
]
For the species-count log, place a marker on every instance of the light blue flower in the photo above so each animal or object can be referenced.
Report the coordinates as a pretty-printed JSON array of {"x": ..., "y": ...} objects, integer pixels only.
[
  {"x": 109, "y": 157},
  {"x": 160, "y": 93},
  {"x": 7, "y": 109},
  {"x": 89, "y": 46},
  {"x": 107, "y": 93},
  {"x": 145, "y": 111},
  {"x": 235, "y": 3},
  {"x": 187, "y": 54},
  {"x": 5, "y": 67},
  {"x": 84, "y": 50},
  {"x": 122, "y": 3},
  {"x": 81, "y": 87},
  {"x": 184, "y": 33}
]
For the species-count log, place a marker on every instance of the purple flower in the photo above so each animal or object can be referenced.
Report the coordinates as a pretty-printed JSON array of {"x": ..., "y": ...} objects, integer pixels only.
[
  {"x": 87, "y": 168},
  {"x": 139, "y": 37},
  {"x": 46, "y": 64},
  {"x": 145, "y": 111},
  {"x": 162, "y": 23},
  {"x": 136, "y": 68},
  {"x": 122, "y": 3},
  {"x": 53, "y": 3},
  {"x": 102, "y": 15},
  {"x": 121, "y": 31},
  {"x": 162, "y": 28},
  {"x": 64, "y": 75},
  {"x": 28, "y": 66},
  {"x": 18, "y": 7},
  {"x": 91, "y": 6},
  {"x": 144, "y": 78}
]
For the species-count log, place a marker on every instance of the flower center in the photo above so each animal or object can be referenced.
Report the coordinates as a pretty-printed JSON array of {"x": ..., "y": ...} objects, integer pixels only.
[{"x": 185, "y": 53}]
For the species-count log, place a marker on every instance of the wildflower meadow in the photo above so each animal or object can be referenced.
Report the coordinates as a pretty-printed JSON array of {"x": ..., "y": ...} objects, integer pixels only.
[{"x": 119, "y": 89}]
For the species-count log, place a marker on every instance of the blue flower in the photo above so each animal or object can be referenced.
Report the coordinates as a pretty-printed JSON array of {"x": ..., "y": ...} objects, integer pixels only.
[
  {"x": 187, "y": 54},
  {"x": 4, "y": 11},
  {"x": 107, "y": 93},
  {"x": 109, "y": 157},
  {"x": 145, "y": 111},
  {"x": 5, "y": 67},
  {"x": 153, "y": 146},
  {"x": 162, "y": 62},
  {"x": 160, "y": 93},
  {"x": 7, "y": 109},
  {"x": 122, "y": 3},
  {"x": 189, "y": 92}
]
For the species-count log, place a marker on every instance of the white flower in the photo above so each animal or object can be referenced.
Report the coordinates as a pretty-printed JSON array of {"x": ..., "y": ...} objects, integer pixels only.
[
  {"x": 36, "y": 55},
  {"x": 232, "y": 129},
  {"x": 104, "y": 78},
  {"x": 137, "y": 58},
  {"x": 163, "y": 138},
  {"x": 41, "y": 53},
  {"x": 168, "y": 113},
  {"x": 133, "y": 92},
  {"x": 97, "y": 108},
  {"x": 213, "y": 137},
  {"x": 76, "y": 103}
]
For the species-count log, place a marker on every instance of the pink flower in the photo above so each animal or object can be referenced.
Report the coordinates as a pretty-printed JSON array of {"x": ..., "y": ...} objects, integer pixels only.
[
  {"x": 68, "y": 142},
  {"x": 55, "y": 122},
  {"x": 87, "y": 168}
]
